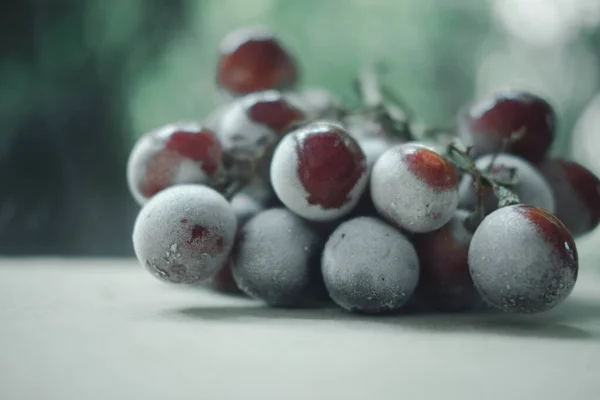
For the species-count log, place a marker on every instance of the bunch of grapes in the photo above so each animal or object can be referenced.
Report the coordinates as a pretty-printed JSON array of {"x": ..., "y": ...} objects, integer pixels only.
[{"x": 295, "y": 199}]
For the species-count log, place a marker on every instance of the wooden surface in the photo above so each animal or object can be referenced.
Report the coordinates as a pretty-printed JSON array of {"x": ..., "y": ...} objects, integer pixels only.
[{"x": 105, "y": 329}]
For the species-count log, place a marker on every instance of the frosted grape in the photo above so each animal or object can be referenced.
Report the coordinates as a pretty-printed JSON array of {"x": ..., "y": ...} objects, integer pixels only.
[
  {"x": 523, "y": 259},
  {"x": 184, "y": 234},
  {"x": 368, "y": 266}
]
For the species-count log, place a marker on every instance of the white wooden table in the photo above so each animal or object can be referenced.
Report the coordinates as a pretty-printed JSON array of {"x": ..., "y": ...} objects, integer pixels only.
[{"x": 105, "y": 329}]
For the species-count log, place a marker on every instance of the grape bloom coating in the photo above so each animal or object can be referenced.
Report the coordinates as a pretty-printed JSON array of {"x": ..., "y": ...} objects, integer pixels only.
[
  {"x": 414, "y": 188},
  {"x": 319, "y": 171},
  {"x": 174, "y": 154},
  {"x": 523, "y": 259},
  {"x": 184, "y": 234}
]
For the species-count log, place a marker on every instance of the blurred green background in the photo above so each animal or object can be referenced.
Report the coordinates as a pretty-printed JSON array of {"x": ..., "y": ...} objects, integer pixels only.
[{"x": 80, "y": 80}]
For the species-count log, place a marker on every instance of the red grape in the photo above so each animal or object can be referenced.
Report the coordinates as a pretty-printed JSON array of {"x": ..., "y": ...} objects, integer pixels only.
[
  {"x": 491, "y": 121},
  {"x": 319, "y": 171},
  {"x": 577, "y": 194},
  {"x": 445, "y": 282},
  {"x": 414, "y": 188},
  {"x": 252, "y": 60},
  {"x": 523, "y": 259},
  {"x": 179, "y": 153}
]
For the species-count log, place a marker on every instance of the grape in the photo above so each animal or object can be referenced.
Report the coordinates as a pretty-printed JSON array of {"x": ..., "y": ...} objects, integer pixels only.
[
  {"x": 369, "y": 267},
  {"x": 531, "y": 186},
  {"x": 184, "y": 234},
  {"x": 319, "y": 171},
  {"x": 174, "y": 154},
  {"x": 364, "y": 127},
  {"x": 254, "y": 122},
  {"x": 244, "y": 207},
  {"x": 276, "y": 258},
  {"x": 373, "y": 148},
  {"x": 223, "y": 281},
  {"x": 445, "y": 282},
  {"x": 488, "y": 123},
  {"x": 577, "y": 194},
  {"x": 414, "y": 188},
  {"x": 317, "y": 102},
  {"x": 251, "y": 60},
  {"x": 523, "y": 259}
]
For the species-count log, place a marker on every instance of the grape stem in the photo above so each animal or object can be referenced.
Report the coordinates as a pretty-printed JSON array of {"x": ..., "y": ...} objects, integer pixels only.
[{"x": 463, "y": 160}]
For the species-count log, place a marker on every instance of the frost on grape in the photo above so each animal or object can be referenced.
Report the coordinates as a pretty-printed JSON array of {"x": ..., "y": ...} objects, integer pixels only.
[
  {"x": 514, "y": 265},
  {"x": 369, "y": 266},
  {"x": 275, "y": 257},
  {"x": 530, "y": 186},
  {"x": 406, "y": 200},
  {"x": 319, "y": 183},
  {"x": 184, "y": 234}
]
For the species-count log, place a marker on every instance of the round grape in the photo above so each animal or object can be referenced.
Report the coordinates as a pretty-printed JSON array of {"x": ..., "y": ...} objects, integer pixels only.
[
  {"x": 577, "y": 194},
  {"x": 175, "y": 154},
  {"x": 317, "y": 102},
  {"x": 255, "y": 122},
  {"x": 373, "y": 148},
  {"x": 445, "y": 282},
  {"x": 244, "y": 207},
  {"x": 523, "y": 259},
  {"x": 319, "y": 171},
  {"x": 488, "y": 123},
  {"x": 252, "y": 59},
  {"x": 414, "y": 188},
  {"x": 531, "y": 187},
  {"x": 369, "y": 267},
  {"x": 276, "y": 258},
  {"x": 184, "y": 234}
]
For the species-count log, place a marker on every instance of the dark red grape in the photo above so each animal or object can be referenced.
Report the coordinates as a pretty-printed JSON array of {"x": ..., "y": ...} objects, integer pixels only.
[
  {"x": 445, "y": 282},
  {"x": 488, "y": 123},
  {"x": 523, "y": 259},
  {"x": 368, "y": 266},
  {"x": 319, "y": 171},
  {"x": 414, "y": 188},
  {"x": 184, "y": 234},
  {"x": 577, "y": 194},
  {"x": 175, "y": 154},
  {"x": 252, "y": 60}
]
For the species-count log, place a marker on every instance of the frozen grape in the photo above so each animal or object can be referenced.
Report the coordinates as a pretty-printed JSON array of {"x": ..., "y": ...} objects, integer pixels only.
[
  {"x": 251, "y": 60},
  {"x": 373, "y": 148},
  {"x": 531, "y": 187},
  {"x": 319, "y": 171},
  {"x": 317, "y": 102},
  {"x": 491, "y": 121},
  {"x": 523, "y": 259},
  {"x": 445, "y": 282},
  {"x": 244, "y": 207},
  {"x": 414, "y": 188},
  {"x": 368, "y": 266},
  {"x": 254, "y": 122},
  {"x": 179, "y": 153},
  {"x": 276, "y": 258},
  {"x": 184, "y": 234},
  {"x": 577, "y": 194}
]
